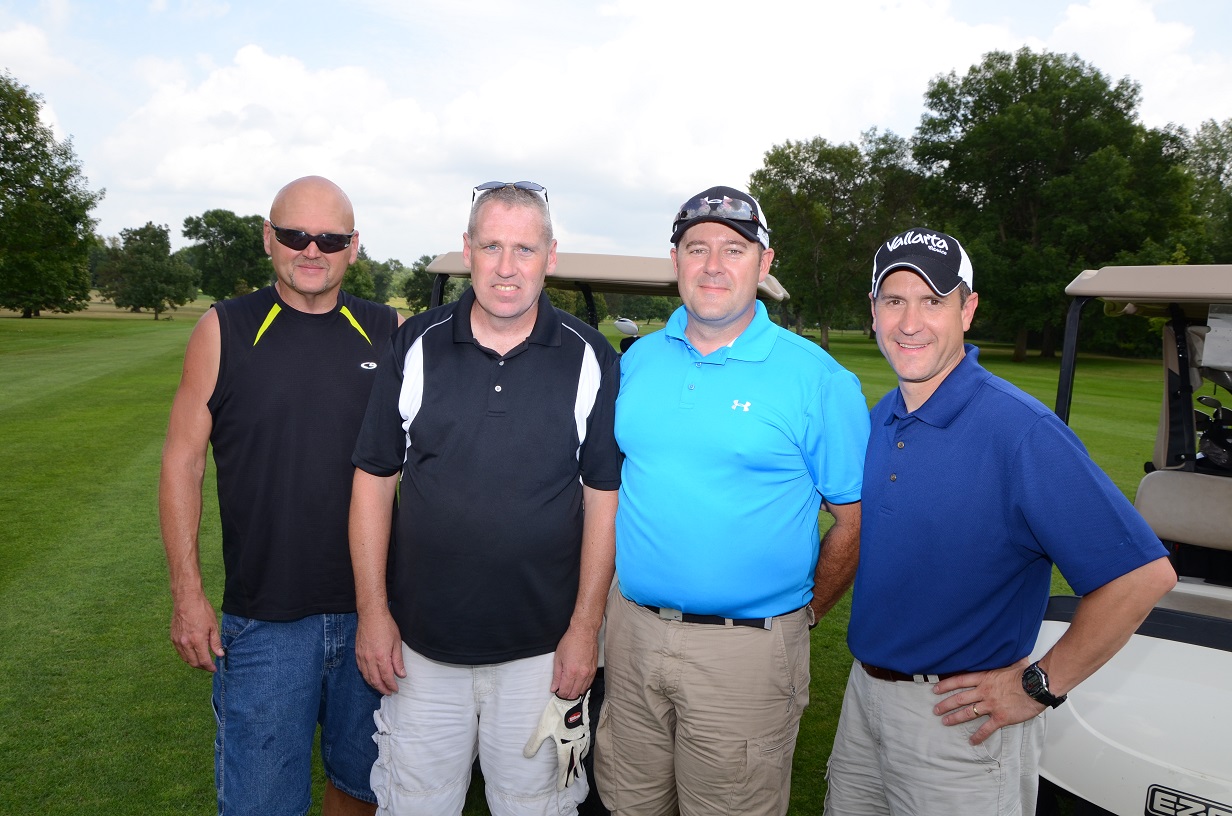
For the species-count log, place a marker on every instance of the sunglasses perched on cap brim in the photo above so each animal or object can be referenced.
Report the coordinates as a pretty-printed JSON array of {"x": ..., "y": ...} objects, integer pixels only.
[
  {"x": 731, "y": 209},
  {"x": 521, "y": 185},
  {"x": 298, "y": 240}
]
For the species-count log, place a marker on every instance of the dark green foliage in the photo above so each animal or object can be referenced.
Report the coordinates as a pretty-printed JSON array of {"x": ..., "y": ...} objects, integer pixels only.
[
  {"x": 641, "y": 307},
  {"x": 574, "y": 303},
  {"x": 358, "y": 280},
  {"x": 417, "y": 284},
  {"x": 828, "y": 207},
  {"x": 45, "y": 225},
  {"x": 143, "y": 273},
  {"x": 1038, "y": 165},
  {"x": 1210, "y": 163},
  {"x": 383, "y": 278},
  {"x": 229, "y": 254}
]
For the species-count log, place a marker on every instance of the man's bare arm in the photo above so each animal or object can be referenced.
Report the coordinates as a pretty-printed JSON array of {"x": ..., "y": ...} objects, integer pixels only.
[
  {"x": 194, "y": 623},
  {"x": 577, "y": 654},
  {"x": 378, "y": 643},
  {"x": 1103, "y": 622},
  {"x": 836, "y": 564}
]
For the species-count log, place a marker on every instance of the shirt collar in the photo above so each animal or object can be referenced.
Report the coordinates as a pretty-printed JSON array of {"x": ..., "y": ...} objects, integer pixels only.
[
  {"x": 952, "y": 395},
  {"x": 545, "y": 333},
  {"x": 753, "y": 344}
]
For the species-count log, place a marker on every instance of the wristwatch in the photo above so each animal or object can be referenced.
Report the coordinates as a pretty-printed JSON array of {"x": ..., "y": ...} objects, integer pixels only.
[{"x": 1035, "y": 684}]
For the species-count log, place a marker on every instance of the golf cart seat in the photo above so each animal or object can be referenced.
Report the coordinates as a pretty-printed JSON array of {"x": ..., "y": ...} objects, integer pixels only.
[{"x": 1188, "y": 508}]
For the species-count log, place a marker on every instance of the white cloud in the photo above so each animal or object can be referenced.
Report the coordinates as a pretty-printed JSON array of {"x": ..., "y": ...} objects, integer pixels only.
[
  {"x": 1126, "y": 38},
  {"x": 29, "y": 58},
  {"x": 622, "y": 108}
]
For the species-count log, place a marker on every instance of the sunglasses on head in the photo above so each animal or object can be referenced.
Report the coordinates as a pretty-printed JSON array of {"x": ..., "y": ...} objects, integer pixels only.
[
  {"x": 298, "y": 240},
  {"x": 733, "y": 209},
  {"x": 521, "y": 185}
]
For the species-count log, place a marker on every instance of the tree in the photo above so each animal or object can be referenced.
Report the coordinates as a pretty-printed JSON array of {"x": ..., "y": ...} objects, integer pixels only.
[
  {"x": 1210, "y": 163},
  {"x": 143, "y": 273},
  {"x": 1041, "y": 170},
  {"x": 383, "y": 275},
  {"x": 417, "y": 288},
  {"x": 828, "y": 207},
  {"x": 573, "y": 302},
  {"x": 45, "y": 224},
  {"x": 357, "y": 280},
  {"x": 229, "y": 254}
]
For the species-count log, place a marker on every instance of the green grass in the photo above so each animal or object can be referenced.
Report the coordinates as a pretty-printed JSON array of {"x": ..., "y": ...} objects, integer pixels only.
[{"x": 97, "y": 713}]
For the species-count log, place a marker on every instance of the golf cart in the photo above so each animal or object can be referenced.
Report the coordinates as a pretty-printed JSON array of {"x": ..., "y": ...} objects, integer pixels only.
[
  {"x": 597, "y": 274},
  {"x": 1149, "y": 732}
]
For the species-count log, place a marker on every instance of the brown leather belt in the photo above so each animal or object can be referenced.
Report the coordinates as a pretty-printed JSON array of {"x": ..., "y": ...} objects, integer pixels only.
[{"x": 889, "y": 674}]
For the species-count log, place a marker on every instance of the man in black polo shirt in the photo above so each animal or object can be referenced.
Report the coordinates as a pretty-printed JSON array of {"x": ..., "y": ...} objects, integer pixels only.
[{"x": 496, "y": 413}]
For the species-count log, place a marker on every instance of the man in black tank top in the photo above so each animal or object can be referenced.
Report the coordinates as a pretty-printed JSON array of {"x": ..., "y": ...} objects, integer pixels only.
[{"x": 276, "y": 382}]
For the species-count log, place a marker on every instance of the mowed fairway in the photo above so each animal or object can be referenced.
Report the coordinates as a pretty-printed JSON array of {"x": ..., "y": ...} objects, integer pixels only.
[{"x": 97, "y": 714}]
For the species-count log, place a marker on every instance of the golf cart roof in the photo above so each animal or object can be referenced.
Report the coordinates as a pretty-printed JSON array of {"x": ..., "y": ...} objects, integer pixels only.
[
  {"x": 1147, "y": 290},
  {"x": 617, "y": 274}
]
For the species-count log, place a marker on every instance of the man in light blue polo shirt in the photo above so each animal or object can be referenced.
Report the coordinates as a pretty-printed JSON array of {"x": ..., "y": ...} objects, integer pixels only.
[
  {"x": 974, "y": 490},
  {"x": 735, "y": 433}
]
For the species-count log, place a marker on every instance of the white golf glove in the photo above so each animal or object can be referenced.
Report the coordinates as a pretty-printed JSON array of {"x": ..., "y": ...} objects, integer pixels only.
[{"x": 567, "y": 724}]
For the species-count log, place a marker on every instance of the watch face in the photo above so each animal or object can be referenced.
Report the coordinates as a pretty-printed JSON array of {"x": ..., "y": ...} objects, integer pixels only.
[{"x": 1033, "y": 681}]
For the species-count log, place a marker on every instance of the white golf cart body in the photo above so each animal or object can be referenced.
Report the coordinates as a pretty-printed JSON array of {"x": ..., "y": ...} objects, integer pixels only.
[
  {"x": 598, "y": 274},
  {"x": 1151, "y": 732}
]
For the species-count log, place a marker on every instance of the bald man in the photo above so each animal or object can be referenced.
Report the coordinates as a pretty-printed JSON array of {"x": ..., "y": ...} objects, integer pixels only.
[{"x": 277, "y": 382}]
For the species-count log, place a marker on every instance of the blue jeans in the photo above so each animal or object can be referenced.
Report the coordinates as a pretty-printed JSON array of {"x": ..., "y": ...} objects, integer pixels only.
[{"x": 277, "y": 682}]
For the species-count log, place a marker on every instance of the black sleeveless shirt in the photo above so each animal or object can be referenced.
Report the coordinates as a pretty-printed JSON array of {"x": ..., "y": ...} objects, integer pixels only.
[{"x": 291, "y": 393}]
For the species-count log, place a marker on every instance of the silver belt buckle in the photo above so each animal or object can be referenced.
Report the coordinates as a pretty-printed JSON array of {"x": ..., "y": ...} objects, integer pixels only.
[{"x": 671, "y": 614}]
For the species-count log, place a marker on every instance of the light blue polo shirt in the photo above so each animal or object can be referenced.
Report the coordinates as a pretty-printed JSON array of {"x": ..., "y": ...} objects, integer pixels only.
[{"x": 727, "y": 459}]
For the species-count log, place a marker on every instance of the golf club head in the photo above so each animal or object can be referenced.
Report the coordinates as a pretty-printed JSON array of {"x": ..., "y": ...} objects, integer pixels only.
[
  {"x": 1218, "y": 376},
  {"x": 1210, "y": 402},
  {"x": 1202, "y": 422}
]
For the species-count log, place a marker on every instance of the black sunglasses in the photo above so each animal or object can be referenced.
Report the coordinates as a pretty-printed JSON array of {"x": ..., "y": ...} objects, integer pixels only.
[
  {"x": 298, "y": 240},
  {"x": 521, "y": 185}
]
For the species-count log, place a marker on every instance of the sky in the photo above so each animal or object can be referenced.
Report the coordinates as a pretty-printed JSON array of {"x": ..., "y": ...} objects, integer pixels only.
[{"x": 622, "y": 109}]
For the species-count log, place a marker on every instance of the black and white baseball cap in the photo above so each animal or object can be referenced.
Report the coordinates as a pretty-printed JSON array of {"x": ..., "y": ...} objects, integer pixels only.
[
  {"x": 935, "y": 256},
  {"x": 727, "y": 206}
]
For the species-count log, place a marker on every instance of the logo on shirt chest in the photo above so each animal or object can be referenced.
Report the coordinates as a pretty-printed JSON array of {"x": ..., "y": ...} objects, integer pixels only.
[
  {"x": 367, "y": 366},
  {"x": 742, "y": 405}
]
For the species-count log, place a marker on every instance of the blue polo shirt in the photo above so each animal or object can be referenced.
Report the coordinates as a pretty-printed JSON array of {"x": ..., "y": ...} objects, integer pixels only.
[
  {"x": 727, "y": 458},
  {"x": 967, "y": 503}
]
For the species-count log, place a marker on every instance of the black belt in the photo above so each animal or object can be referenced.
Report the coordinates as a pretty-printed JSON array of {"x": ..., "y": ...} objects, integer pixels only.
[
  {"x": 713, "y": 620},
  {"x": 889, "y": 674}
]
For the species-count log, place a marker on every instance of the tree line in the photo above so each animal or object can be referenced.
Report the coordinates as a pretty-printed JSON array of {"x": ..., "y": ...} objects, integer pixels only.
[
  {"x": 1036, "y": 161},
  {"x": 1038, "y": 164}
]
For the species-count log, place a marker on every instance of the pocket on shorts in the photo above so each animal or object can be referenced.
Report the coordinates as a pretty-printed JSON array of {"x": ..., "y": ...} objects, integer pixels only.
[
  {"x": 768, "y": 773},
  {"x": 989, "y": 751},
  {"x": 382, "y": 768},
  {"x": 232, "y": 627}
]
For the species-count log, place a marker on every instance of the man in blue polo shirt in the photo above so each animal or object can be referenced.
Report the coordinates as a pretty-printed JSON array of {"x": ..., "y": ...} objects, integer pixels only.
[
  {"x": 735, "y": 432},
  {"x": 972, "y": 491}
]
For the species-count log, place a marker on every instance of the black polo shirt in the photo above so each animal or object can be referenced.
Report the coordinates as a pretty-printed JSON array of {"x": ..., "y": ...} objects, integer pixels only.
[{"x": 493, "y": 452}]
